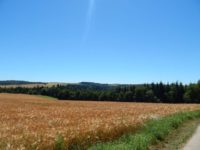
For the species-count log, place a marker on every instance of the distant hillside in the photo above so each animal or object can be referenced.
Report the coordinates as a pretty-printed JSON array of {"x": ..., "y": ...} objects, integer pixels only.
[
  {"x": 16, "y": 82},
  {"x": 97, "y": 86},
  {"x": 154, "y": 92},
  {"x": 105, "y": 85},
  {"x": 80, "y": 85}
]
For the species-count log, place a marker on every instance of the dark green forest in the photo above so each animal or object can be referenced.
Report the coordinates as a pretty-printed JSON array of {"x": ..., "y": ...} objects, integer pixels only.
[{"x": 155, "y": 92}]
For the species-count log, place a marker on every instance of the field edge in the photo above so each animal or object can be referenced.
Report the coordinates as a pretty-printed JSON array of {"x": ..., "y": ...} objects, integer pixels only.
[
  {"x": 179, "y": 137},
  {"x": 151, "y": 133}
]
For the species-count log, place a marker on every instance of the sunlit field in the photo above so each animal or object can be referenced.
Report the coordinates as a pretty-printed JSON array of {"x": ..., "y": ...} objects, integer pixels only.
[
  {"x": 32, "y": 85},
  {"x": 34, "y": 122}
]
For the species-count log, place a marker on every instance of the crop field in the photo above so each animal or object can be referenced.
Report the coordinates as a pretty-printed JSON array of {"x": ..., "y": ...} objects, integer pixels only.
[
  {"x": 34, "y": 122},
  {"x": 31, "y": 85}
]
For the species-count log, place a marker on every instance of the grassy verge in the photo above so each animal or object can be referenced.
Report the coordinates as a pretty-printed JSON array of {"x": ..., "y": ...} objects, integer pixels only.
[
  {"x": 151, "y": 133},
  {"x": 177, "y": 139}
]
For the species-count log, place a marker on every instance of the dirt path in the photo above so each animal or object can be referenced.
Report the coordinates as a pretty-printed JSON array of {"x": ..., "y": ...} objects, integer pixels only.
[{"x": 194, "y": 142}]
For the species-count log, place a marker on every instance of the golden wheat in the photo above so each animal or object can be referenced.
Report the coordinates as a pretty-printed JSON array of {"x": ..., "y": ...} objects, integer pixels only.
[{"x": 32, "y": 122}]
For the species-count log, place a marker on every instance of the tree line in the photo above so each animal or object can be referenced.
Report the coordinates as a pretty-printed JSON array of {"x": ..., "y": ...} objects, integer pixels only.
[{"x": 155, "y": 92}]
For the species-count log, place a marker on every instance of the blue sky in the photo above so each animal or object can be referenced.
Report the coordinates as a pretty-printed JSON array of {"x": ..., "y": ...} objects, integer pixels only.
[{"x": 107, "y": 41}]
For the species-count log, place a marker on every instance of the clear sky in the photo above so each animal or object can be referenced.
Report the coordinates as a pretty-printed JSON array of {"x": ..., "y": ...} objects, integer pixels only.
[{"x": 107, "y": 41}]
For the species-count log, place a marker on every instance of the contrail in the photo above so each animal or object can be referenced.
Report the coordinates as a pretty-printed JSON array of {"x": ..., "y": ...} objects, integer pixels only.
[{"x": 89, "y": 20}]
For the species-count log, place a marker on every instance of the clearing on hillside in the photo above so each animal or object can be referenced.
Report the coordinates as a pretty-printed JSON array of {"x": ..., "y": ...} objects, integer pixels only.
[{"x": 33, "y": 122}]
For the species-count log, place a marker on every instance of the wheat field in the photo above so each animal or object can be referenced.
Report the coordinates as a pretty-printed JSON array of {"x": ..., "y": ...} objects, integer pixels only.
[{"x": 34, "y": 122}]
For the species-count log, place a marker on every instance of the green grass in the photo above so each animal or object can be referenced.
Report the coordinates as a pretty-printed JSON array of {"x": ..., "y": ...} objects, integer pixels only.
[
  {"x": 47, "y": 97},
  {"x": 179, "y": 137},
  {"x": 151, "y": 133},
  {"x": 59, "y": 143}
]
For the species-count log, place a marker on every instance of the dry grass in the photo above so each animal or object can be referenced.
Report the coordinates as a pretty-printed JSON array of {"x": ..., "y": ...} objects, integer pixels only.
[
  {"x": 31, "y": 122},
  {"x": 33, "y": 85}
]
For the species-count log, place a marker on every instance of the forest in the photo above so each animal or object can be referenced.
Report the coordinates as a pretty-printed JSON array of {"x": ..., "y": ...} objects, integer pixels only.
[{"x": 154, "y": 92}]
